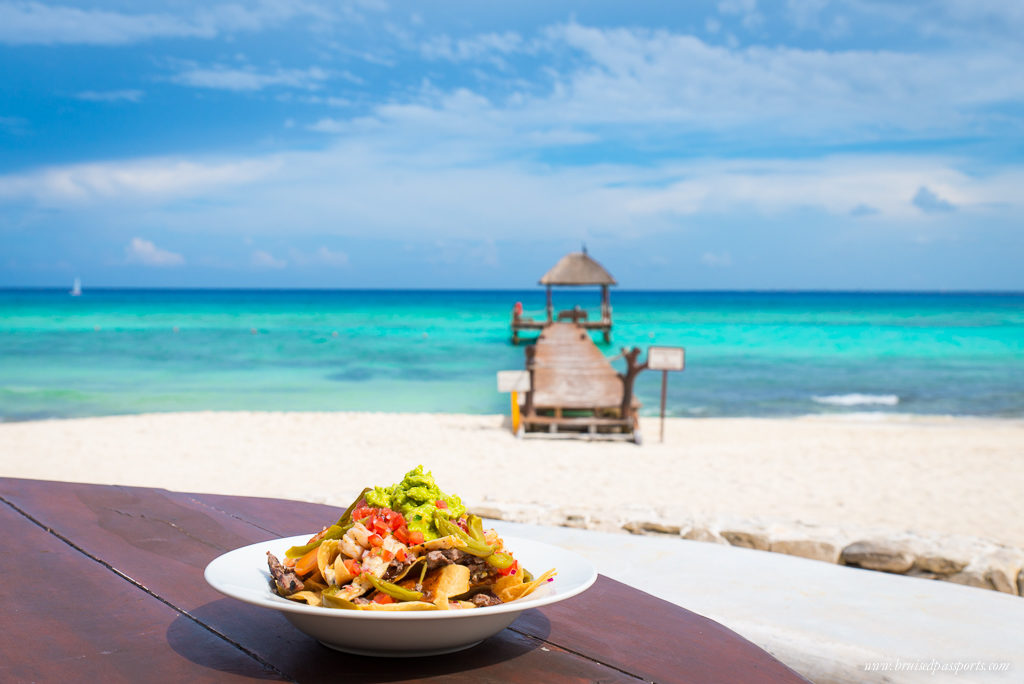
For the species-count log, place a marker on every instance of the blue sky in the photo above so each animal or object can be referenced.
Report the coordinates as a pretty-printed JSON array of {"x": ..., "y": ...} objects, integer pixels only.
[{"x": 806, "y": 144}]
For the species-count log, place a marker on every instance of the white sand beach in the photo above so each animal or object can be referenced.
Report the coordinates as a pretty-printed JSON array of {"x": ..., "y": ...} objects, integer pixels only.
[{"x": 932, "y": 476}]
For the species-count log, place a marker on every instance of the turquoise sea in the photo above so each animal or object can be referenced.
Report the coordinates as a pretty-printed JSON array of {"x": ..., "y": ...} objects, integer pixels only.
[{"x": 748, "y": 354}]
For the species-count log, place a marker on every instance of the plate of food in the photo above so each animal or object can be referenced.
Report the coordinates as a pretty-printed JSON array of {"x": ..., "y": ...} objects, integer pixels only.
[{"x": 404, "y": 571}]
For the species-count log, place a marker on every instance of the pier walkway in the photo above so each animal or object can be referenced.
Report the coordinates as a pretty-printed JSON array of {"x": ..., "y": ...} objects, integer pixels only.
[{"x": 574, "y": 386}]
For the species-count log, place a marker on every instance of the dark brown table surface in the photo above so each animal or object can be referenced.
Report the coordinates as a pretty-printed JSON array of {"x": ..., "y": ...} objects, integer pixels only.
[{"x": 105, "y": 583}]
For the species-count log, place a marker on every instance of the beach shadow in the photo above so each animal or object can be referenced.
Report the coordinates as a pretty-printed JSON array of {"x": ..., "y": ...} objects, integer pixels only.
[{"x": 271, "y": 648}]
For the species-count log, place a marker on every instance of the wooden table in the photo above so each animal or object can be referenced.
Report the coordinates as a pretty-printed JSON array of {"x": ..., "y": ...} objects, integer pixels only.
[{"x": 105, "y": 583}]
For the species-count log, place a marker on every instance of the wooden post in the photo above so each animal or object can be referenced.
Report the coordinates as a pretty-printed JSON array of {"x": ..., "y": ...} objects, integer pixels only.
[
  {"x": 530, "y": 351},
  {"x": 551, "y": 310},
  {"x": 606, "y": 314},
  {"x": 664, "y": 385}
]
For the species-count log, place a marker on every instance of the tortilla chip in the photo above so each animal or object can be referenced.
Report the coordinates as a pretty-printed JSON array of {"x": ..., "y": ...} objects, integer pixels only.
[
  {"x": 310, "y": 597},
  {"x": 451, "y": 580},
  {"x": 341, "y": 573},
  {"x": 511, "y": 587},
  {"x": 325, "y": 555},
  {"x": 314, "y": 584}
]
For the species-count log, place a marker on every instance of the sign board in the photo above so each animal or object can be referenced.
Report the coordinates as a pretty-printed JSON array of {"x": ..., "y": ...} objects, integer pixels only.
[
  {"x": 666, "y": 358},
  {"x": 514, "y": 381}
]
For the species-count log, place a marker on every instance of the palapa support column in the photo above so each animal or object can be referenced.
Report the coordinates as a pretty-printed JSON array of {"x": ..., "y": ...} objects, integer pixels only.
[
  {"x": 606, "y": 314},
  {"x": 551, "y": 309}
]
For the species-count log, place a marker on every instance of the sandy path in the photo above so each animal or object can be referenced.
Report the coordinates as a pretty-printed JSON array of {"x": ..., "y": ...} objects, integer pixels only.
[{"x": 928, "y": 475}]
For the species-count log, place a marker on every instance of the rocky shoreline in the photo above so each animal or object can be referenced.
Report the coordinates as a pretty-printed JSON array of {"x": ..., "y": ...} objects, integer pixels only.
[{"x": 969, "y": 561}]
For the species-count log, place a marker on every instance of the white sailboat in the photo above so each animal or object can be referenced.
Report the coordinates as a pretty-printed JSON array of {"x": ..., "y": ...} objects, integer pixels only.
[{"x": 76, "y": 290}]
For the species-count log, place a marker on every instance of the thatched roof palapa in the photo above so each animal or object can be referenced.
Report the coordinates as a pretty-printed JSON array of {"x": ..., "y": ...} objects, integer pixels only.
[{"x": 577, "y": 268}]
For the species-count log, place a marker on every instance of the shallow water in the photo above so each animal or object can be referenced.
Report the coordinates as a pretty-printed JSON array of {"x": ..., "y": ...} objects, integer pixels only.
[{"x": 748, "y": 354}]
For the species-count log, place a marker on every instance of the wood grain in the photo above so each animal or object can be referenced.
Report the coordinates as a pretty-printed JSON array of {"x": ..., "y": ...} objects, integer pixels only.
[{"x": 151, "y": 545}]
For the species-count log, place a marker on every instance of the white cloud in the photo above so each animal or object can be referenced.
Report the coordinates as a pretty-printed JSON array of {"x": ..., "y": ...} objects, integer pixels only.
[
  {"x": 638, "y": 83},
  {"x": 144, "y": 252},
  {"x": 33, "y": 23},
  {"x": 263, "y": 259},
  {"x": 154, "y": 178},
  {"x": 321, "y": 256},
  {"x": 110, "y": 95},
  {"x": 332, "y": 257},
  {"x": 656, "y": 77},
  {"x": 482, "y": 45},
  {"x": 365, "y": 185},
  {"x": 329, "y": 125},
  {"x": 228, "y": 78},
  {"x": 716, "y": 259},
  {"x": 746, "y": 9}
]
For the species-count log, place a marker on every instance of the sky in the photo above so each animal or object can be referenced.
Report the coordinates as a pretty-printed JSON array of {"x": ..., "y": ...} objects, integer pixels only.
[{"x": 736, "y": 144}]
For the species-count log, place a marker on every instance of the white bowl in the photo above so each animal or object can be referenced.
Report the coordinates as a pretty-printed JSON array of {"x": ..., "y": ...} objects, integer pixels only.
[{"x": 243, "y": 574}]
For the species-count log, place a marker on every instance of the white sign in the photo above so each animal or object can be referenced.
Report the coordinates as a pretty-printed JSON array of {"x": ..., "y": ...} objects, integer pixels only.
[
  {"x": 514, "y": 381},
  {"x": 666, "y": 358}
]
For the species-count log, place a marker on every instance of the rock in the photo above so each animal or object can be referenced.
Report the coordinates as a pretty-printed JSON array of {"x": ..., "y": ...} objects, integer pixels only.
[
  {"x": 970, "y": 578},
  {"x": 575, "y": 520},
  {"x": 1000, "y": 582},
  {"x": 807, "y": 548},
  {"x": 633, "y": 527},
  {"x": 939, "y": 565},
  {"x": 921, "y": 574},
  {"x": 748, "y": 540},
  {"x": 650, "y": 527},
  {"x": 1003, "y": 568},
  {"x": 702, "y": 534},
  {"x": 878, "y": 555}
]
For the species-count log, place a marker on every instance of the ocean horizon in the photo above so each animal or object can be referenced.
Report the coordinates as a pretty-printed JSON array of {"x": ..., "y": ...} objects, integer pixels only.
[{"x": 749, "y": 353}]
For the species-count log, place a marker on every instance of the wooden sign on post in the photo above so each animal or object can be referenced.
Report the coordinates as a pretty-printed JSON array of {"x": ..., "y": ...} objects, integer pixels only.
[
  {"x": 514, "y": 382},
  {"x": 665, "y": 359}
]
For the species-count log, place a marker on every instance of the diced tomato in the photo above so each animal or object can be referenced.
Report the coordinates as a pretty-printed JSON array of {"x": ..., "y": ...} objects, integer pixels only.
[
  {"x": 386, "y": 555},
  {"x": 353, "y": 566},
  {"x": 510, "y": 570},
  {"x": 402, "y": 534},
  {"x": 400, "y": 555},
  {"x": 394, "y": 519},
  {"x": 415, "y": 537},
  {"x": 361, "y": 512},
  {"x": 376, "y": 540},
  {"x": 381, "y": 597},
  {"x": 440, "y": 503}
]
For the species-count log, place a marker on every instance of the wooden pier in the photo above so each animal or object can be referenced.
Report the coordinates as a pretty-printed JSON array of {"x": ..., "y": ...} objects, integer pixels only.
[{"x": 574, "y": 387}]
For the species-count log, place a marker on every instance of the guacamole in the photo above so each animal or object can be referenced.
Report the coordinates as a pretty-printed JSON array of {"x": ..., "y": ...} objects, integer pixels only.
[{"x": 416, "y": 497}]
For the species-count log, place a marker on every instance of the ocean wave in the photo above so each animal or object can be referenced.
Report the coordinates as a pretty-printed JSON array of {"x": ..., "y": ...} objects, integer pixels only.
[{"x": 858, "y": 399}]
